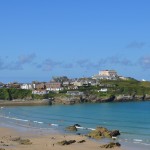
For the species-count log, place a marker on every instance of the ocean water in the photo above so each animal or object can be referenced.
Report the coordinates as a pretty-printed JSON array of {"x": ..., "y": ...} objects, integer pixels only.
[{"x": 131, "y": 118}]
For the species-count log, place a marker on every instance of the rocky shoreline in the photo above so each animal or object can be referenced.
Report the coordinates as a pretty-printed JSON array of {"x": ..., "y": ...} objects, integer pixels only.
[
  {"x": 75, "y": 100},
  {"x": 123, "y": 98},
  {"x": 95, "y": 99}
]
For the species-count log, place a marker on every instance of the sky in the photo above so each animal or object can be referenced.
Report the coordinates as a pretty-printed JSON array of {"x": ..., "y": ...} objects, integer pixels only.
[{"x": 40, "y": 39}]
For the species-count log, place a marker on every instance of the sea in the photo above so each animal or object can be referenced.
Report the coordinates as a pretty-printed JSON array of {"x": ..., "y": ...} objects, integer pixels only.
[{"x": 132, "y": 119}]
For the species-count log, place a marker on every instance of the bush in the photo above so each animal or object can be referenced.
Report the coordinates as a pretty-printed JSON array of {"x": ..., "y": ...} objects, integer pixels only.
[
  {"x": 10, "y": 94},
  {"x": 4, "y": 94}
]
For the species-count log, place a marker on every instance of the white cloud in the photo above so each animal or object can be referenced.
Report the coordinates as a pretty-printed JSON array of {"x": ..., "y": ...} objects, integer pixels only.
[
  {"x": 145, "y": 62},
  {"x": 23, "y": 59}
]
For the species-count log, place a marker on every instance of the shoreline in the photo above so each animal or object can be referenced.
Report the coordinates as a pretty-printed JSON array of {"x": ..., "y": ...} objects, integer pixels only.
[
  {"x": 44, "y": 135},
  {"x": 5, "y": 103},
  {"x": 48, "y": 139},
  {"x": 44, "y": 138}
]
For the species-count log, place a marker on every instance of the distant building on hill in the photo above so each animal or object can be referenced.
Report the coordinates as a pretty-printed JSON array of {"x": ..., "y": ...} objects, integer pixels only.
[
  {"x": 110, "y": 73},
  {"x": 106, "y": 74}
]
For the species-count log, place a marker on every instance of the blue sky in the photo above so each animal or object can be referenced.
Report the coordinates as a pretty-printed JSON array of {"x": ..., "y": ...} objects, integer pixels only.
[{"x": 44, "y": 38}]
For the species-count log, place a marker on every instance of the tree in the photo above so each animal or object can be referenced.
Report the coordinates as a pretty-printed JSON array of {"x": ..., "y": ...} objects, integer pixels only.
[{"x": 60, "y": 79}]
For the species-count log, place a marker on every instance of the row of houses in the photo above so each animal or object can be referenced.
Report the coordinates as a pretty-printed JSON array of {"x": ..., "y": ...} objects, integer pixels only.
[
  {"x": 61, "y": 83},
  {"x": 44, "y": 87}
]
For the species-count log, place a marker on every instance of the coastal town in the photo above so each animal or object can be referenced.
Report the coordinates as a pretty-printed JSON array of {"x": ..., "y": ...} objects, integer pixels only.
[
  {"x": 75, "y": 75},
  {"x": 106, "y": 86},
  {"x": 64, "y": 83}
]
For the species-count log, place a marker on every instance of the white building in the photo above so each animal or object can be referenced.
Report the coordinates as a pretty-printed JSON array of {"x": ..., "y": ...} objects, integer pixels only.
[
  {"x": 78, "y": 83},
  {"x": 106, "y": 74},
  {"x": 103, "y": 90},
  {"x": 109, "y": 73},
  {"x": 27, "y": 86},
  {"x": 40, "y": 92}
]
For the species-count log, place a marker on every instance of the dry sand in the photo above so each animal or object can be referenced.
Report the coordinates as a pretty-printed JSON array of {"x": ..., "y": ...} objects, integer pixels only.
[{"x": 44, "y": 141}]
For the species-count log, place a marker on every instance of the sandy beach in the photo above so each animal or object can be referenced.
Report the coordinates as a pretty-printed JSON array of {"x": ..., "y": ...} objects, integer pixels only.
[{"x": 10, "y": 139}]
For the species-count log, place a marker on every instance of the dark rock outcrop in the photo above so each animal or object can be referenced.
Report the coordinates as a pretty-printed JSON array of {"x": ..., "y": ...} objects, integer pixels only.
[
  {"x": 65, "y": 142},
  {"x": 82, "y": 141},
  {"x": 114, "y": 133},
  {"x": 111, "y": 145},
  {"x": 25, "y": 142},
  {"x": 21, "y": 141},
  {"x": 77, "y": 125},
  {"x": 99, "y": 133},
  {"x": 102, "y": 132},
  {"x": 71, "y": 128},
  {"x": 16, "y": 139}
]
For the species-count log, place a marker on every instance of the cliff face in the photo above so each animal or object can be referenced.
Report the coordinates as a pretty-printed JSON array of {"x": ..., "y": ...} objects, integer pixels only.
[
  {"x": 67, "y": 100},
  {"x": 132, "y": 98},
  {"x": 95, "y": 99},
  {"x": 75, "y": 100}
]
